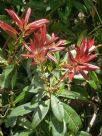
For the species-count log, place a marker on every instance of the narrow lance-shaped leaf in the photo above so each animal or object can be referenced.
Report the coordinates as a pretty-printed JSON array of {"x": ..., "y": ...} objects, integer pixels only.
[
  {"x": 8, "y": 29},
  {"x": 15, "y": 18}
]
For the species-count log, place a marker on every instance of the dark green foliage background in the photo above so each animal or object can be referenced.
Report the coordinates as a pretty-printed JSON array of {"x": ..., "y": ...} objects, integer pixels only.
[{"x": 69, "y": 19}]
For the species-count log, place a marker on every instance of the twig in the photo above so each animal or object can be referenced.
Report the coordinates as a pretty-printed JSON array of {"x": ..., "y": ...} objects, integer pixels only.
[{"x": 91, "y": 123}]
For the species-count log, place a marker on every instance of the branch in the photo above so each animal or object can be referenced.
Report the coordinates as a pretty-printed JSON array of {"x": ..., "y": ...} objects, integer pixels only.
[{"x": 91, "y": 123}]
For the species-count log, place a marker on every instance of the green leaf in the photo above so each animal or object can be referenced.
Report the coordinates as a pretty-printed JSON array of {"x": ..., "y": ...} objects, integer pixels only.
[
  {"x": 22, "y": 95},
  {"x": 81, "y": 90},
  {"x": 79, "y": 6},
  {"x": 27, "y": 91},
  {"x": 57, "y": 56},
  {"x": 1, "y": 133},
  {"x": 52, "y": 81},
  {"x": 72, "y": 118},
  {"x": 92, "y": 84},
  {"x": 10, "y": 122},
  {"x": 72, "y": 95},
  {"x": 57, "y": 108},
  {"x": 3, "y": 17},
  {"x": 89, "y": 4},
  {"x": 5, "y": 76},
  {"x": 39, "y": 113},
  {"x": 94, "y": 77},
  {"x": 23, "y": 109},
  {"x": 16, "y": 2},
  {"x": 14, "y": 77},
  {"x": 101, "y": 129},
  {"x": 82, "y": 133},
  {"x": 24, "y": 133},
  {"x": 58, "y": 128},
  {"x": 56, "y": 73}
]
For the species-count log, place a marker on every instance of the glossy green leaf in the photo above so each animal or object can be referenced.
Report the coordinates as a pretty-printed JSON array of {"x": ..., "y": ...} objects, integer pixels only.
[
  {"x": 72, "y": 95},
  {"x": 39, "y": 113},
  {"x": 23, "y": 109},
  {"x": 21, "y": 95},
  {"x": 58, "y": 128},
  {"x": 57, "y": 108},
  {"x": 72, "y": 119}
]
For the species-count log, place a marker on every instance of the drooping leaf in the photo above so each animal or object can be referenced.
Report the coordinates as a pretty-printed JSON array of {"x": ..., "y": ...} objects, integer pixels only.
[
  {"x": 57, "y": 108},
  {"x": 58, "y": 128},
  {"x": 39, "y": 113}
]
